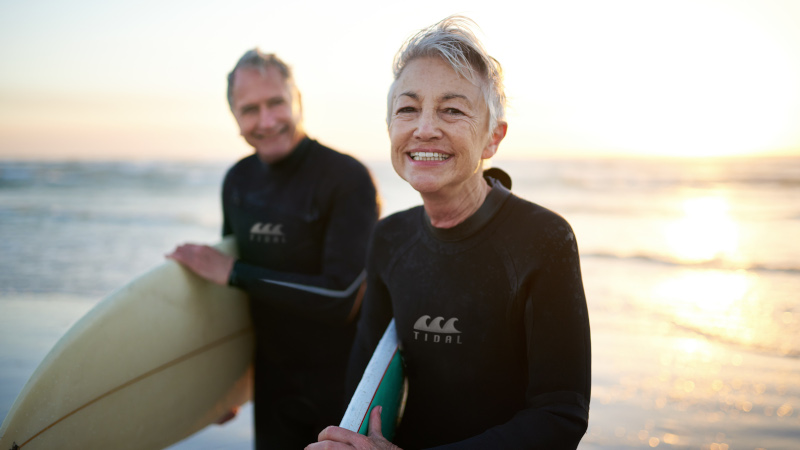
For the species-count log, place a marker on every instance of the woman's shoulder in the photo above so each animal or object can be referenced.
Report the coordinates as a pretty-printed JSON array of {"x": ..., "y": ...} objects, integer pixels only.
[
  {"x": 401, "y": 222},
  {"x": 394, "y": 230},
  {"x": 534, "y": 211},
  {"x": 394, "y": 234},
  {"x": 534, "y": 219},
  {"x": 521, "y": 209}
]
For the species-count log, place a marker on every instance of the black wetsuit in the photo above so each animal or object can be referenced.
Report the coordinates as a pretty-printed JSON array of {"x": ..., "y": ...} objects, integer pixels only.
[
  {"x": 492, "y": 319},
  {"x": 302, "y": 228}
]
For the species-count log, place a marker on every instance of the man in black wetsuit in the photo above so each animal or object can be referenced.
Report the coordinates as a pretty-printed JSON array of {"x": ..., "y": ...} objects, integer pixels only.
[
  {"x": 302, "y": 215},
  {"x": 484, "y": 287}
]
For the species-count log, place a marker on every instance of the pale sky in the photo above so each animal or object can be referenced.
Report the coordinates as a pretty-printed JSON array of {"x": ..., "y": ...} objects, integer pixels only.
[{"x": 146, "y": 79}]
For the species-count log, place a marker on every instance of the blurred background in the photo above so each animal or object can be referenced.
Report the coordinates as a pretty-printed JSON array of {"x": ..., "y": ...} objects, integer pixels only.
[{"x": 666, "y": 132}]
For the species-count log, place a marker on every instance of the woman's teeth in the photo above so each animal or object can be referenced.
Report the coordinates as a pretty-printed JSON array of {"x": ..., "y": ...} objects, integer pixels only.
[{"x": 428, "y": 156}]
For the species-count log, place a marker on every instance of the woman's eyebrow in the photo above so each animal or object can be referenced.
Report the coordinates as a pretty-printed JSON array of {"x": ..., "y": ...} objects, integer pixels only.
[
  {"x": 444, "y": 97},
  {"x": 451, "y": 96},
  {"x": 410, "y": 94}
]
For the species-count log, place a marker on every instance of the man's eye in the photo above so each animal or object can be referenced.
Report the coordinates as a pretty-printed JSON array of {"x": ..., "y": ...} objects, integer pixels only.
[{"x": 249, "y": 110}]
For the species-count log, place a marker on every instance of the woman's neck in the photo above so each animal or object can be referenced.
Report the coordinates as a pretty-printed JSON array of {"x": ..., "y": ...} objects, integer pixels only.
[{"x": 449, "y": 210}]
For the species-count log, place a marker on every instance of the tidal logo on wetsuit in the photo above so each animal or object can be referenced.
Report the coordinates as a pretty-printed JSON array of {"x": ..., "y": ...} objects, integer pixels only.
[
  {"x": 267, "y": 233},
  {"x": 428, "y": 330}
]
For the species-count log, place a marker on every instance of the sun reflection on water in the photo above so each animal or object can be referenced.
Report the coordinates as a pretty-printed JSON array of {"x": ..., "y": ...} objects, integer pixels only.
[
  {"x": 714, "y": 308},
  {"x": 714, "y": 303},
  {"x": 705, "y": 232},
  {"x": 720, "y": 303}
]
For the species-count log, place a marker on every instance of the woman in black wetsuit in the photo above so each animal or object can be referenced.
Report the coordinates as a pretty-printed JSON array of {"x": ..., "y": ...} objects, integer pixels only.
[{"x": 485, "y": 287}]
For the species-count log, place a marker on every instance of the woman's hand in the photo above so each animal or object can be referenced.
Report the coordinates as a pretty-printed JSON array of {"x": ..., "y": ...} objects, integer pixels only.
[{"x": 339, "y": 438}]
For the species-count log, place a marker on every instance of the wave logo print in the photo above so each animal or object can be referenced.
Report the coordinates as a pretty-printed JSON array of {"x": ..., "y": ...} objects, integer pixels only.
[
  {"x": 428, "y": 330},
  {"x": 267, "y": 233}
]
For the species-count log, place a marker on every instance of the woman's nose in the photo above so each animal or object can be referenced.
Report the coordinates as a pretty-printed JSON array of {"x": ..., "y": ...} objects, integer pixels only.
[{"x": 427, "y": 126}]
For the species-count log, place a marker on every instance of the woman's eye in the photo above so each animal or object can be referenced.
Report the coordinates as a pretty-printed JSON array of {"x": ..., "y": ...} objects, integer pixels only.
[
  {"x": 405, "y": 109},
  {"x": 453, "y": 111}
]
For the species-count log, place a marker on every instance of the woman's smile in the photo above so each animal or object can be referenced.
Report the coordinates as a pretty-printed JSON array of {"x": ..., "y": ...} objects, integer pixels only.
[{"x": 428, "y": 156}]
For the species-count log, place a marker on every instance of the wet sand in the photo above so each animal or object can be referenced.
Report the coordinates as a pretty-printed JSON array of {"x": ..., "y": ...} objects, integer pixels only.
[
  {"x": 655, "y": 385},
  {"x": 654, "y": 388}
]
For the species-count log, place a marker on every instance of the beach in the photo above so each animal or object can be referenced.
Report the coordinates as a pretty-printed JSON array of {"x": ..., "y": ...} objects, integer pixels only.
[
  {"x": 655, "y": 385},
  {"x": 690, "y": 269}
]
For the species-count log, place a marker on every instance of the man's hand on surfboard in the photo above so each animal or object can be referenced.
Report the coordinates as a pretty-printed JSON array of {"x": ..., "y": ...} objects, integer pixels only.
[
  {"x": 228, "y": 416},
  {"x": 339, "y": 438},
  {"x": 205, "y": 261}
]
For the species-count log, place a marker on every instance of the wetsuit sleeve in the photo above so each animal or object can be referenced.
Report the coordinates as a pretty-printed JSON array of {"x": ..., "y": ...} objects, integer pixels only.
[
  {"x": 331, "y": 295},
  {"x": 226, "y": 226},
  {"x": 227, "y": 229},
  {"x": 376, "y": 313},
  {"x": 559, "y": 356}
]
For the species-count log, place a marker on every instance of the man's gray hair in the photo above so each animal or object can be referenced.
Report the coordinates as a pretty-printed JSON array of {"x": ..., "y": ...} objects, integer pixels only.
[
  {"x": 453, "y": 40},
  {"x": 256, "y": 59}
]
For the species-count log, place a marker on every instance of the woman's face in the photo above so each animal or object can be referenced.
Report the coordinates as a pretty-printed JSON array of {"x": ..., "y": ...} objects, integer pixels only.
[{"x": 439, "y": 128}]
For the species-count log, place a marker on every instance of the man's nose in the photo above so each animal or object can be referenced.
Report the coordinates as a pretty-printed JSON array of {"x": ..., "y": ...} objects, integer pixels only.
[{"x": 266, "y": 118}]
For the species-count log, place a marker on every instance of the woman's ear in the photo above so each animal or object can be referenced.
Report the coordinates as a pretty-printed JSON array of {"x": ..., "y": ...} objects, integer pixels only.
[{"x": 496, "y": 137}]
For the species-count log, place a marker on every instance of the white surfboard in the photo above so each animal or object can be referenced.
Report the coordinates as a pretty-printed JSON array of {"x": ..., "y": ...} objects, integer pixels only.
[
  {"x": 382, "y": 384},
  {"x": 153, "y": 363}
]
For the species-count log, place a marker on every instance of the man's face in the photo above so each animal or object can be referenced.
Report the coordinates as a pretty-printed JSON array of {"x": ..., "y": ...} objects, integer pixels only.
[{"x": 268, "y": 115}]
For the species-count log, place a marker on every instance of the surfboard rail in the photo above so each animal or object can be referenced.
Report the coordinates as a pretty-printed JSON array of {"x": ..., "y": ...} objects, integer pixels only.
[{"x": 382, "y": 384}]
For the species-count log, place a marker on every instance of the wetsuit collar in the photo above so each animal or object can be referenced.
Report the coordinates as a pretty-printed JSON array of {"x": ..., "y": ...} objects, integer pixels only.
[
  {"x": 494, "y": 201},
  {"x": 292, "y": 160}
]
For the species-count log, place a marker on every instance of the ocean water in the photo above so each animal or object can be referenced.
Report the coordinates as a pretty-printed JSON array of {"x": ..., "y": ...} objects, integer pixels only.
[
  {"x": 691, "y": 268},
  {"x": 711, "y": 246}
]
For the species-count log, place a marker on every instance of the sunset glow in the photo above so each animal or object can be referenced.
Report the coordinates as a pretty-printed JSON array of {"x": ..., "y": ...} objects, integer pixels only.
[
  {"x": 623, "y": 77},
  {"x": 705, "y": 232}
]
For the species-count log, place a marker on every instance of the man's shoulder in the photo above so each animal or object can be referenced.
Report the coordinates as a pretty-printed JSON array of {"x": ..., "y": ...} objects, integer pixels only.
[
  {"x": 337, "y": 170},
  {"x": 246, "y": 164},
  {"x": 337, "y": 159}
]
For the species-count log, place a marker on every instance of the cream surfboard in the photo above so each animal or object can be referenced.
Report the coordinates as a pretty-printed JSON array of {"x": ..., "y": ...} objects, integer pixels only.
[
  {"x": 383, "y": 384},
  {"x": 151, "y": 364}
]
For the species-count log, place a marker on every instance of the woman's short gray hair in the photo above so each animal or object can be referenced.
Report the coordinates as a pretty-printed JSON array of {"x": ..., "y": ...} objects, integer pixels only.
[
  {"x": 453, "y": 40},
  {"x": 256, "y": 59}
]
